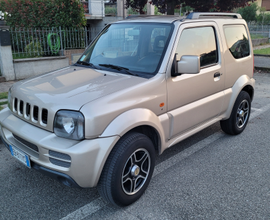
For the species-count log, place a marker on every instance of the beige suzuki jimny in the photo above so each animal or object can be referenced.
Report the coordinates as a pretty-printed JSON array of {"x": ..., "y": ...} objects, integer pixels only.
[{"x": 142, "y": 85}]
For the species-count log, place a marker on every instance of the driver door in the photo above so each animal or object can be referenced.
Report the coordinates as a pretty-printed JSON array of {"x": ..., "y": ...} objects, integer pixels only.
[{"x": 195, "y": 99}]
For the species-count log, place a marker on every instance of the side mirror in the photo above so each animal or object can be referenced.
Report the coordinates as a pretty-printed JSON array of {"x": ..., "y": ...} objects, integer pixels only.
[{"x": 187, "y": 65}]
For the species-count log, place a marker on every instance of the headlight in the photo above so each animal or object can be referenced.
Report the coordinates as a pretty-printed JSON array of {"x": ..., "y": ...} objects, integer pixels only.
[{"x": 69, "y": 124}]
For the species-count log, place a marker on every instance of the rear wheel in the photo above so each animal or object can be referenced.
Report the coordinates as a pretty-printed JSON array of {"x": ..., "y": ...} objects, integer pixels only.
[
  {"x": 239, "y": 115},
  {"x": 128, "y": 170}
]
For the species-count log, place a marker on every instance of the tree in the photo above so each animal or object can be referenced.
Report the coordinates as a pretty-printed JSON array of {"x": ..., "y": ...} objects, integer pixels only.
[
  {"x": 44, "y": 13},
  {"x": 198, "y": 5},
  {"x": 165, "y": 5},
  {"x": 249, "y": 12},
  {"x": 136, "y": 4},
  {"x": 229, "y": 5}
]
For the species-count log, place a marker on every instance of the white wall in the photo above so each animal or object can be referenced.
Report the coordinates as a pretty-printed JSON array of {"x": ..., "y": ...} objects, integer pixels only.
[
  {"x": 6, "y": 64},
  {"x": 96, "y": 8},
  {"x": 25, "y": 68},
  {"x": 150, "y": 8}
]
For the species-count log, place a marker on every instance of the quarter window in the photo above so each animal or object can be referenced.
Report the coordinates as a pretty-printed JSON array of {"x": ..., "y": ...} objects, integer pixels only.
[
  {"x": 237, "y": 40},
  {"x": 200, "y": 42}
]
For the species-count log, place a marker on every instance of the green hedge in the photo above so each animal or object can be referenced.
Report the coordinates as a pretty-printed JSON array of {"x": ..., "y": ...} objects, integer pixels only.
[{"x": 44, "y": 13}]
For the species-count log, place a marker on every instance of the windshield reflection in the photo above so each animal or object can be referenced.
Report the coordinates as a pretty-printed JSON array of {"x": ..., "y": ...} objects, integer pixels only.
[{"x": 129, "y": 48}]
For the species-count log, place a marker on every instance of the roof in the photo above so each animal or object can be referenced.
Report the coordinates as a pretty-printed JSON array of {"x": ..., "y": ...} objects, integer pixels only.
[
  {"x": 172, "y": 18},
  {"x": 152, "y": 18},
  {"x": 197, "y": 15}
]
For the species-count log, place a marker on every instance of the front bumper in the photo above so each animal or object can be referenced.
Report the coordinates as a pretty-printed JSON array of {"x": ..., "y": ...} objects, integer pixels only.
[{"x": 71, "y": 162}]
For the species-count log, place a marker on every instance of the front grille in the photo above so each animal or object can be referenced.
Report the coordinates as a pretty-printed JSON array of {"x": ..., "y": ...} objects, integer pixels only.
[
  {"x": 64, "y": 159},
  {"x": 30, "y": 112},
  {"x": 59, "y": 155},
  {"x": 16, "y": 104},
  {"x": 44, "y": 116},
  {"x": 27, "y": 110},
  {"x": 60, "y": 163},
  {"x": 21, "y": 107},
  {"x": 35, "y": 113},
  {"x": 26, "y": 143}
]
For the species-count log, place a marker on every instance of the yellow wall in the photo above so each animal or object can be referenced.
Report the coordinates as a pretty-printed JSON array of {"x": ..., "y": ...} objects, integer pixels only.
[{"x": 259, "y": 3}]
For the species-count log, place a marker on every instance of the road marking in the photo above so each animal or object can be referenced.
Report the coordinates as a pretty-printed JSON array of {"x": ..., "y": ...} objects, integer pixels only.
[
  {"x": 186, "y": 153},
  {"x": 99, "y": 203},
  {"x": 255, "y": 109},
  {"x": 259, "y": 111},
  {"x": 86, "y": 210}
]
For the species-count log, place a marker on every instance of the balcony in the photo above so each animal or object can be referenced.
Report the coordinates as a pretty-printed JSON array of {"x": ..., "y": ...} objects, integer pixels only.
[{"x": 94, "y": 9}]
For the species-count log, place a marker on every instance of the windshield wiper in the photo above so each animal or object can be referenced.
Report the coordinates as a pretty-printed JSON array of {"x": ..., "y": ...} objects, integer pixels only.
[
  {"x": 86, "y": 64},
  {"x": 119, "y": 68}
]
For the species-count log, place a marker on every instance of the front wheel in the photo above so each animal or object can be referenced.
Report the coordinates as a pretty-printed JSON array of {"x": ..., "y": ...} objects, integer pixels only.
[
  {"x": 128, "y": 170},
  {"x": 239, "y": 115}
]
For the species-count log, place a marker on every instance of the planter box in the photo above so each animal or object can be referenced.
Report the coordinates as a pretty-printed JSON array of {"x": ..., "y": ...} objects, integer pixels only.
[{"x": 29, "y": 67}]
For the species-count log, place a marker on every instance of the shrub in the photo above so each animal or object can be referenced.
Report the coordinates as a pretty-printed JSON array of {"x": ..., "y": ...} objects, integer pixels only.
[
  {"x": 263, "y": 18},
  {"x": 34, "y": 49},
  {"x": 44, "y": 13},
  {"x": 110, "y": 10},
  {"x": 249, "y": 12}
]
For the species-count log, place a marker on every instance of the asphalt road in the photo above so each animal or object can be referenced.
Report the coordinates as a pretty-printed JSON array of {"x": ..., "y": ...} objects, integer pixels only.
[{"x": 210, "y": 175}]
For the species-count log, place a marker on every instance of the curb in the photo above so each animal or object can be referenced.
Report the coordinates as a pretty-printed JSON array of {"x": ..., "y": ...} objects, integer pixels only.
[
  {"x": 266, "y": 69},
  {"x": 261, "y": 55}
]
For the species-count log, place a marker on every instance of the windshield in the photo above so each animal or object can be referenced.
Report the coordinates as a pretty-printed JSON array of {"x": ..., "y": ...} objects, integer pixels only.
[{"x": 129, "y": 48}]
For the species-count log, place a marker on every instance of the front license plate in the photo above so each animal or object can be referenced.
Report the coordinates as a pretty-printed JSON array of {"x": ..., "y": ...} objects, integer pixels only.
[{"x": 21, "y": 156}]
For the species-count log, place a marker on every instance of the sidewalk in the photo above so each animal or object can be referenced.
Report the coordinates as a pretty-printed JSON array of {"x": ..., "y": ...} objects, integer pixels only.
[
  {"x": 4, "y": 87},
  {"x": 262, "y": 62}
]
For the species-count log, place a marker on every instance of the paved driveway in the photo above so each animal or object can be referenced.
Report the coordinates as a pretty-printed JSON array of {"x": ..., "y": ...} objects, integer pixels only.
[{"x": 210, "y": 175}]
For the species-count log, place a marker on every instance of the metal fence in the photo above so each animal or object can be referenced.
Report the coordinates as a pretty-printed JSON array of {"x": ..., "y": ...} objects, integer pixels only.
[
  {"x": 33, "y": 42},
  {"x": 259, "y": 29}
]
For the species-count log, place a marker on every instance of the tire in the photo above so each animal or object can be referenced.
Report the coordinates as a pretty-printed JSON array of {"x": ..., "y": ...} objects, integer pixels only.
[
  {"x": 128, "y": 170},
  {"x": 239, "y": 115}
]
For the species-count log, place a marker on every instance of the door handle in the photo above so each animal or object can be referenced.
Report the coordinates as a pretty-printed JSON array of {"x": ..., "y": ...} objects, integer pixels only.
[{"x": 217, "y": 75}]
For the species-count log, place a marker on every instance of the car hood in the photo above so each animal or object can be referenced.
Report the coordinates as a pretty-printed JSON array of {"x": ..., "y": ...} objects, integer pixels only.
[{"x": 72, "y": 87}]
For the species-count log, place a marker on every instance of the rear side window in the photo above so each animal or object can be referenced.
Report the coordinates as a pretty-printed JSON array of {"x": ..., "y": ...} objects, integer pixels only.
[
  {"x": 237, "y": 40},
  {"x": 199, "y": 41}
]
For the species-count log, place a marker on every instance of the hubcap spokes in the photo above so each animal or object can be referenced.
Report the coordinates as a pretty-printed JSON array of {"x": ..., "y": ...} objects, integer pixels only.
[
  {"x": 136, "y": 171},
  {"x": 242, "y": 114}
]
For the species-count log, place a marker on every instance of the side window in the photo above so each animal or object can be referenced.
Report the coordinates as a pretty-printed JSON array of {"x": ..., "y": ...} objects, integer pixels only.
[
  {"x": 237, "y": 40},
  {"x": 200, "y": 42}
]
